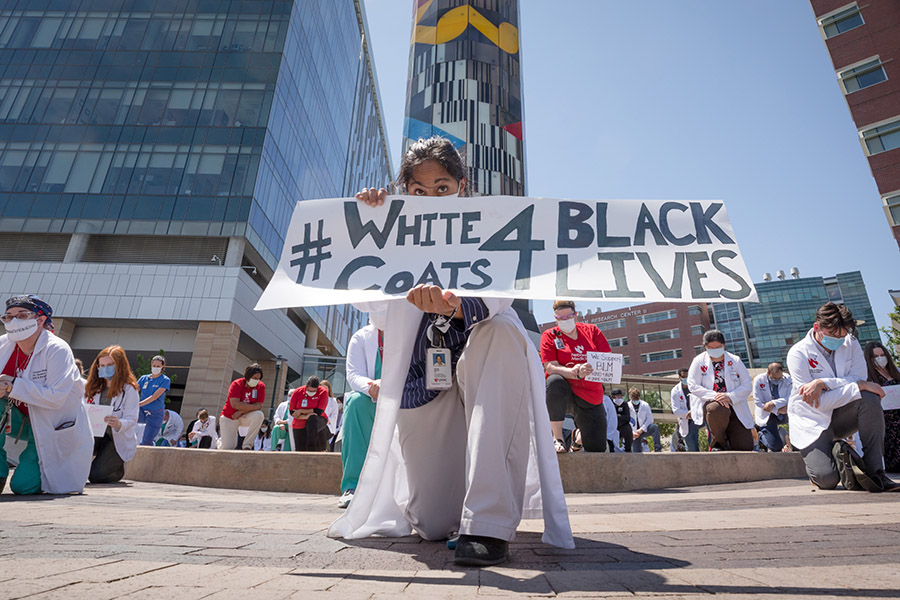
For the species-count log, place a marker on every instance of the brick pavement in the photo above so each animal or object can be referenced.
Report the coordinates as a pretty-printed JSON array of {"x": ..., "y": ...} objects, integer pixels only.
[{"x": 777, "y": 539}]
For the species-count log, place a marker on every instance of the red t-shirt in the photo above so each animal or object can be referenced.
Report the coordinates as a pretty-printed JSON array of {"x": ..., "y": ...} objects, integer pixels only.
[
  {"x": 555, "y": 345},
  {"x": 299, "y": 400},
  {"x": 243, "y": 392},
  {"x": 18, "y": 360}
]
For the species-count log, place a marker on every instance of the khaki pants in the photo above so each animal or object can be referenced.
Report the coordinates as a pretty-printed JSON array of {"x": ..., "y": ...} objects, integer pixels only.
[
  {"x": 466, "y": 451},
  {"x": 228, "y": 430}
]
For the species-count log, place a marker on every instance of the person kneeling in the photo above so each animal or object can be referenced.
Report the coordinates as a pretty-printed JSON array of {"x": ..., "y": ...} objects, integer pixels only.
[{"x": 111, "y": 383}]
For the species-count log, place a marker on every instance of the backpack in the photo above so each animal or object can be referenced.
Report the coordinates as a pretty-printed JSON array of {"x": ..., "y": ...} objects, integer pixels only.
[{"x": 852, "y": 469}]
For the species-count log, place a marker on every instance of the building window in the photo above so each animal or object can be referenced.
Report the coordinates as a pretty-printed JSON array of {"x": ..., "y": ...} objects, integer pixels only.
[
  {"x": 608, "y": 325},
  {"x": 656, "y": 336},
  {"x": 654, "y": 317},
  {"x": 862, "y": 76},
  {"x": 694, "y": 310},
  {"x": 626, "y": 360},
  {"x": 838, "y": 23},
  {"x": 697, "y": 330},
  {"x": 893, "y": 206},
  {"x": 618, "y": 342},
  {"x": 698, "y": 349},
  {"x": 661, "y": 374},
  {"x": 663, "y": 355},
  {"x": 882, "y": 138}
]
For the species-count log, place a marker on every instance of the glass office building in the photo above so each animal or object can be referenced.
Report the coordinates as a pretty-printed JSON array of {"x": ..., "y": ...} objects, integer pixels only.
[
  {"x": 762, "y": 333},
  {"x": 151, "y": 155}
]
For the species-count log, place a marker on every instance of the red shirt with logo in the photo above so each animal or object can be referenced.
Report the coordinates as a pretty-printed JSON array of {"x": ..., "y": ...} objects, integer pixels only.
[
  {"x": 17, "y": 362},
  {"x": 243, "y": 392},
  {"x": 299, "y": 399},
  {"x": 555, "y": 345}
]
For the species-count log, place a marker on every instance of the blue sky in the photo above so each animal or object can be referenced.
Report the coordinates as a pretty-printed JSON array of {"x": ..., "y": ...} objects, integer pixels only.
[{"x": 698, "y": 99}]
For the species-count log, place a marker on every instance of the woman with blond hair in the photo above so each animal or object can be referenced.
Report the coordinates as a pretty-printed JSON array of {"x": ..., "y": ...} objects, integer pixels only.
[{"x": 111, "y": 383}]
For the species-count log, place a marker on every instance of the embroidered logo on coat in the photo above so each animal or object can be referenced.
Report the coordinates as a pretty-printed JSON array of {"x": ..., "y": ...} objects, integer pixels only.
[
  {"x": 703, "y": 368},
  {"x": 762, "y": 386},
  {"x": 813, "y": 363}
]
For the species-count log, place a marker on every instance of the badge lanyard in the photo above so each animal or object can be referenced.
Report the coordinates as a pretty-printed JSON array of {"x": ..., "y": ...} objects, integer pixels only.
[{"x": 438, "y": 375}]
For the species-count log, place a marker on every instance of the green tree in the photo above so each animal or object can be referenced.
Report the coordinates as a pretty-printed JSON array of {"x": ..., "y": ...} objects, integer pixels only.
[{"x": 892, "y": 335}]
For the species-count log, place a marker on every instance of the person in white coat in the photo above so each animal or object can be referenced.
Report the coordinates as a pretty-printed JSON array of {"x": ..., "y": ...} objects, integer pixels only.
[
  {"x": 111, "y": 383},
  {"x": 771, "y": 391},
  {"x": 831, "y": 399},
  {"x": 203, "y": 433},
  {"x": 464, "y": 452},
  {"x": 281, "y": 433},
  {"x": 721, "y": 384},
  {"x": 41, "y": 398},
  {"x": 643, "y": 423},
  {"x": 681, "y": 407},
  {"x": 612, "y": 426},
  {"x": 172, "y": 427}
]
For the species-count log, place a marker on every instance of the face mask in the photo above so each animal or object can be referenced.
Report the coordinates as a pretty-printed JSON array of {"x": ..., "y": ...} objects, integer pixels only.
[
  {"x": 618, "y": 401},
  {"x": 155, "y": 371},
  {"x": 684, "y": 381},
  {"x": 312, "y": 393},
  {"x": 252, "y": 382},
  {"x": 716, "y": 352},
  {"x": 264, "y": 429},
  {"x": 881, "y": 361},
  {"x": 636, "y": 402},
  {"x": 832, "y": 343},
  {"x": 567, "y": 326},
  {"x": 106, "y": 372},
  {"x": 21, "y": 330}
]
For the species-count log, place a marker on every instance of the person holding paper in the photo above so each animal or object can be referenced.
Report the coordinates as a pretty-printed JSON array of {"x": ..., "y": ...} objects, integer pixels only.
[
  {"x": 471, "y": 455},
  {"x": 771, "y": 391},
  {"x": 203, "y": 431},
  {"x": 41, "y": 393},
  {"x": 831, "y": 400},
  {"x": 111, "y": 383},
  {"x": 884, "y": 372},
  {"x": 564, "y": 351}
]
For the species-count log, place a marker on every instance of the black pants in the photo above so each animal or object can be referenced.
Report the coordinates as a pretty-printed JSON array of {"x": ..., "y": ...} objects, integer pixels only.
[
  {"x": 311, "y": 438},
  {"x": 107, "y": 466},
  {"x": 205, "y": 442},
  {"x": 589, "y": 418},
  {"x": 626, "y": 434}
]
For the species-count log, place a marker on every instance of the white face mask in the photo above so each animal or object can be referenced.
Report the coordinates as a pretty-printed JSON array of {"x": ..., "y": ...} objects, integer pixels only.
[
  {"x": 618, "y": 401},
  {"x": 716, "y": 352},
  {"x": 312, "y": 393},
  {"x": 252, "y": 382},
  {"x": 155, "y": 371},
  {"x": 378, "y": 318},
  {"x": 18, "y": 330},
  {"x": 881, "y": 361},
  {"x": 567, "y": 326}
]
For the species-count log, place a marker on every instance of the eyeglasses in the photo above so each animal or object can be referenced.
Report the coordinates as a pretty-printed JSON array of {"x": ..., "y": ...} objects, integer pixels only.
[
  {"x": 564, "y": 317},
  {"x": 22, "y": 316}
]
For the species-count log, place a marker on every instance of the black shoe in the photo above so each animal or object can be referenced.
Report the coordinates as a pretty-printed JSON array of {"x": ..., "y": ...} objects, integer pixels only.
[
  {"x": 480, "y": 551},
  {"x": 889, "y": 484}
]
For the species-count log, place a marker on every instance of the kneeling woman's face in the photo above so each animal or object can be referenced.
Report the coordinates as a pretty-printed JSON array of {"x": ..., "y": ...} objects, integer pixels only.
[{"x": 431, "y": 179}]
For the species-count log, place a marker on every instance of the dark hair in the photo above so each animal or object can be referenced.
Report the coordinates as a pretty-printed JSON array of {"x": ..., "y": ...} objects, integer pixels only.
[
  {"x": 202, "y": 414},
  {"x": 776, "y": 366},
  {"x": 835, "y": 317},
  {"x": 268, "y": 433},
  {"x": 891, "y": 368},
  {"x": 563, "y": 304},
  {"x": 160, "y": 358},
  {"x": 440, "y": 150},
  {"x": 682, "y": 370},
  {"x": 713, "y": 335},
  {"x": 252, "y": 370},
  {"x": 312, "y": 382}
]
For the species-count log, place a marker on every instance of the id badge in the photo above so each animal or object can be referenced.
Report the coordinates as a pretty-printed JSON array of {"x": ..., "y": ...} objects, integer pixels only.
[
  {"x": 560, "y": 345},
  {"x": 437, "y": 369}
]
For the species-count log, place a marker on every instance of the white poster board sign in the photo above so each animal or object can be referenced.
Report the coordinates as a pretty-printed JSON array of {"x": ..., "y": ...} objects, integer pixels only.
[
  {"x": 607, "y": 367},
  {"x": 96, "y": 414},
  {"x": 891, "y": 400},
  {"x": 341, "y": 251}
]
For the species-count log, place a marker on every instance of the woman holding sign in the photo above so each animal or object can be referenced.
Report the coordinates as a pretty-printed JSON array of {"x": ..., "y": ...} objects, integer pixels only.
[
  {"x": 564, "y": 351},
  {"x": 464, "y": 386},
  {"x": 111, "y": 384}
]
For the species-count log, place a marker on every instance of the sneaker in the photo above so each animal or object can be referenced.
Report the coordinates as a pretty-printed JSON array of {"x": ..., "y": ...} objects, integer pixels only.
[
  {"x": 347, "y": 496},
  {"x": 560, "y": 446},
  {"x": 480, "y": 551},
  {"x": 576, "y": 441}
]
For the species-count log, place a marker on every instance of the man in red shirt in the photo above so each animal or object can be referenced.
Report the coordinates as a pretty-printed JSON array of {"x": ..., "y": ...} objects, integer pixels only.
[
  {"x": 310, "y": 424},
  {"x": 564, "y": 351},
  {"x": 243, "y": 408}
]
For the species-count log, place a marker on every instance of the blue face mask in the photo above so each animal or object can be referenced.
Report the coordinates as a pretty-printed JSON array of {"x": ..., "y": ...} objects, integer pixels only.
[
  {"x": 832, "y": 343},
  {"x": 684, "y": 381},
  {"x": 106, "y": 372}
]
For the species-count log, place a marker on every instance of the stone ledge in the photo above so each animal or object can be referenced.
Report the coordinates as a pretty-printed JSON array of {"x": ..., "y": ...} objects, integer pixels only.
[{"x": 320, "y": 473}]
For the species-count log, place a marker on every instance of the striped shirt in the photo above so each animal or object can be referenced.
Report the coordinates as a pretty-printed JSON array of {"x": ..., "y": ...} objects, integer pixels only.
[{"x": 415, "y": 393}]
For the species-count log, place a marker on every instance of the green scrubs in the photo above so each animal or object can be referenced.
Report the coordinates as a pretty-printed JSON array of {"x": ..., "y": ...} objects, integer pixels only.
[
  {"x": 26, "y": 478},
  {"x": 359, "y": 417}
]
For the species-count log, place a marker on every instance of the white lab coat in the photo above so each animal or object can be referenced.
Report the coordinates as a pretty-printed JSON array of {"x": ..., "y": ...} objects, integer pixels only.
[
  {"x": 53, "y": 390},
  {"x": 680, "y": 409},
  {"x": 806, "y": 361},
  {"x": 172, "y": 428},
  {"x": 382, "y": 493},
  {"x": 362, "y": 352},
  {"x": 208, "y": 431},
  {"x": 642, "y": 417},
  {"x": 612, "y": 425},
  {"x": 701, "y": 379},
  {"x": 762, "y": 394},
  {"x": 263, "y": 444},
  {"x": 331, "y": 413},
  {"x": 125, "y": 407}
]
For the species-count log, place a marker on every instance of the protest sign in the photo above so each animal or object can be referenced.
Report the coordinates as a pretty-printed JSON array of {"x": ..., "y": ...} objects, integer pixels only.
[
  {"x": 341, "y": 250},
  {"x": 96, "y": 414},
  {"x": 891, "y": 400},
  {"x": 607, "y": 367}
]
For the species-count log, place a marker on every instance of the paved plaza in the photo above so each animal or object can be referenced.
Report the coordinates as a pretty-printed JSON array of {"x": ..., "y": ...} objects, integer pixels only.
[{"x": 776, "y": 539}]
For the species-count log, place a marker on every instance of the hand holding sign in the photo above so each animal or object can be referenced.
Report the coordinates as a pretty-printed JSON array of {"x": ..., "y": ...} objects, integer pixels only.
[{"x": 607, "y": 367}]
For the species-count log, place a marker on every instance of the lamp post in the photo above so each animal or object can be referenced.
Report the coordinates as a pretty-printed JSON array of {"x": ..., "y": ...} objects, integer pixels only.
[{"x": 278, "y": 361}]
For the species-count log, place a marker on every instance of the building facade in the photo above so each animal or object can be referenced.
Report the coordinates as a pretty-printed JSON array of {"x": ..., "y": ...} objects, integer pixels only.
[
  {"x": 861, "y": 38},
  {"x": 151, "y": 155},
  {"x": 763, "y": 332},
  {"x": 655, "y": 339},
  {"x": 465, "y": 85}
]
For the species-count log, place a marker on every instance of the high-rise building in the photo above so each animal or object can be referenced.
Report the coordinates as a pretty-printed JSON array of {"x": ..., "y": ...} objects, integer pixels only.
[
  {"x": 862, "y": 40},
  {"x": 465, "y": 85},
  {"x": 762, "y": 333},
  {"x": 151, "y": 155}
]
